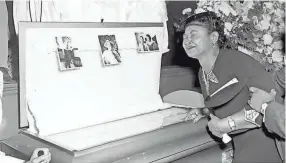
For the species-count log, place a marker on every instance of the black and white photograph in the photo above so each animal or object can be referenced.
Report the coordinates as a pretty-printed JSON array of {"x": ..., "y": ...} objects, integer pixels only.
[
  {"x": 109, "y": 50},
  {"x": 146, "y": 42},
  {"x": 142, "y": 81},
  {"x": 67, "y": 54}
]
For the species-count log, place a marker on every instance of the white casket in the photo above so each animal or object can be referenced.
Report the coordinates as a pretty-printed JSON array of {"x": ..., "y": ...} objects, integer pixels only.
[{"x": 97, "y": 112}]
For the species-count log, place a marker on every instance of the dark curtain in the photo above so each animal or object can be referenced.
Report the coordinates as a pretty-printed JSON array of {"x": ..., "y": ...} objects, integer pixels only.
[{"x": 177, "y": 55}]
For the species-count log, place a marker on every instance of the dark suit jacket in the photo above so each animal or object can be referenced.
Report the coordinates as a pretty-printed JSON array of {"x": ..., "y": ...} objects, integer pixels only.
[
  {"x": 275, "y": 118},
  {"x": 275, "y": 123},
  {"x": 250, "y": 145}
]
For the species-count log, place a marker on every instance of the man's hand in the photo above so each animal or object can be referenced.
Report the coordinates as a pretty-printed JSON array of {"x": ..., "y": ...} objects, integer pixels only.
[
  {"x": 194, "y": 115},
  {"x": 217, "y": 126},
  {"x": 45, "y": 158},
  {"x": 259, "y": 97}
]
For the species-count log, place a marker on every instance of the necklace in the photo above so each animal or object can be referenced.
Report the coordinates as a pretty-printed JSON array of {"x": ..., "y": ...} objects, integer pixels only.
[{"x": 207, "y": 77}]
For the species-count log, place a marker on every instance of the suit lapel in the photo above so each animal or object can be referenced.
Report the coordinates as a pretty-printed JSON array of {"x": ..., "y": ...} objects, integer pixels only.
[
  {"x": 225, "y": 95},
  {"x": 224, "y": 74},
  {"x": 202, "y": 84}
]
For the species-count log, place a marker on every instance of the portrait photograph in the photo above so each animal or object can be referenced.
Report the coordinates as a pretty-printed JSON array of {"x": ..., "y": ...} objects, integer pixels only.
[
  {"x": 146, "y": 42},
  {"x": 109, "y": 50},
  {"x": 67, "y": 54}
]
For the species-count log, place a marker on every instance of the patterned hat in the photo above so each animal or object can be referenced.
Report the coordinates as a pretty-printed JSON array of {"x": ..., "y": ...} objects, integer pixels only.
[{"x": 188, "y": 18}]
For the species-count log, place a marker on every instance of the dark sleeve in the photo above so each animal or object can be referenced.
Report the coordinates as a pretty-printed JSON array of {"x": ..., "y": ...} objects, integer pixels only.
[
  {"x": 280, "y": 81},
  {"x": 275, "y": 118},
  {"x": 253, "y": 73}
]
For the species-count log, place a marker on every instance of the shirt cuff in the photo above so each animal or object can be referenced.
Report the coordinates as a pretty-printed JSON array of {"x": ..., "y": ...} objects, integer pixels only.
[{"x": 263, "y": 110}]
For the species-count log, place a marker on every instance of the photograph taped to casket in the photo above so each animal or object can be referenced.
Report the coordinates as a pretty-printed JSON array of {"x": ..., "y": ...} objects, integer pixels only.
[{"x": 95, "y": 104}]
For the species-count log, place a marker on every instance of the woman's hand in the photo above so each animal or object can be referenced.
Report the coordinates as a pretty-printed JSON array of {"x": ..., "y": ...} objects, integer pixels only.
[
  {"x": 194, "y": 115},
  {"x": 259, "y": 97},
  {"x": 44, "y": 158},
  {"x": 217, "y": 126}
]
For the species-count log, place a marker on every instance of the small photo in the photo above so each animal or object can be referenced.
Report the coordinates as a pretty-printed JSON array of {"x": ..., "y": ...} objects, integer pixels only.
[
  {"x": 146, "y": 42},
  {"x": 109, "y": 50},
  {"x": 67, "y": 54}
]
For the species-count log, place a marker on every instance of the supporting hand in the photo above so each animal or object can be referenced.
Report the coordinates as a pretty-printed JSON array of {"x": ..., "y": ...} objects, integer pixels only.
[
  {"x": 44, "y": 158},
  {"x": 259, "y": 97},
  {"x": 217, "y": 126}
]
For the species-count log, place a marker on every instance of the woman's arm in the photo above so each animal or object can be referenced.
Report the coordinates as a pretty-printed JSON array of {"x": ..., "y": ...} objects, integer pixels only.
[
  {"x": 247, "y": 70},
  {"x": 232, "y": 124},
  {"x": 254, "y": 75}
]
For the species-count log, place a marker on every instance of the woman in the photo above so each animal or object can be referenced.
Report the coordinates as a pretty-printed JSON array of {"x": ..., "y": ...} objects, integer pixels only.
[
  {"x": 225, "y": 77},
  {"x": 141, "y": 44},
  {"x": 151, "y": 43},
  {"x": 108, "y": 55},
  {"x": 69, "y": 53}
]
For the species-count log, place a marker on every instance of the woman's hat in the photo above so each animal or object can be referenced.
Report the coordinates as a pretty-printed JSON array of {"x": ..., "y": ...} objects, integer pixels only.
[{"x": 184, "y": 21}]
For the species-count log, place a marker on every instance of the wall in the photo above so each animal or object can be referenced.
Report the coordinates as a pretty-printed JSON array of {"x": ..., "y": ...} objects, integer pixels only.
[{"x": 176, "y": 55}]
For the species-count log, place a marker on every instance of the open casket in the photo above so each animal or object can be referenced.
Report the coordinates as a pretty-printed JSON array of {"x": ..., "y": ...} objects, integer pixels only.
[{"x": 97, "y": 112}]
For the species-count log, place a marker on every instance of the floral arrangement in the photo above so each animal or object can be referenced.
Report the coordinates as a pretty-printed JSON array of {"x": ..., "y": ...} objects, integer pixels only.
[{"x": 254, "y": 27}]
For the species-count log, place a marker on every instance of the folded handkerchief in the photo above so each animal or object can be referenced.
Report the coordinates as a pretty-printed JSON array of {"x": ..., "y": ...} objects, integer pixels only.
[{"x": 231, "y": 82}]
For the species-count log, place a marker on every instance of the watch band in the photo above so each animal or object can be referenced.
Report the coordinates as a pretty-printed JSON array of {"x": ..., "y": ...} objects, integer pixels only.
[{"x": 231, "y": 123}]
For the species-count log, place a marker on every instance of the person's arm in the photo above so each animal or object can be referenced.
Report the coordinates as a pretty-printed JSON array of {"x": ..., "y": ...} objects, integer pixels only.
[
  {"x": 253, "y": 74},
  {"x": 274, "y": 112},
  {"x": 275, "y": 118},
  {"x": 232, "y": 124}
]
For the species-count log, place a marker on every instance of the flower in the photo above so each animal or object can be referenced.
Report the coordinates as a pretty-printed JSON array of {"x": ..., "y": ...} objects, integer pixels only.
[
  {"x": 281, "y": 28},
  {"x": 186, "y": 11},
  {"x": 264, "y": 24},
  {"x": 226, "y": 9},
  {"x": 277, "y": 56},
  {"x": 259, "y": 49},
  {"x": 252, "y": 27},
  {"x": 270, "y": 60},
  {"x": 245, "y": 18},
  {"x": 255, "y": 20},
  {"x": 268, "y": 50},
  {"x": 202, "y": 3},
  {"x": 279, "y": 12},
  {"x": 248, "y": 4},
  {"x": 273, "y": 28},
  {"x": 278, "y": 45},
  {"x": 256, "y": 39},
  {"x": 228, "y": 26},
  {"x": 269, "y": 7},
  {"x": 199, "y": 10},
  {"x": 209, "y": 9},
  {"x": 226, "y": 32},
  {"x": 267, "y": 39}
]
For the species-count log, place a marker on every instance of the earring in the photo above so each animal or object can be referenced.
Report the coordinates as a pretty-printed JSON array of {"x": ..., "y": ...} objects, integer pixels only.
[{"x": 213, "y": 45}]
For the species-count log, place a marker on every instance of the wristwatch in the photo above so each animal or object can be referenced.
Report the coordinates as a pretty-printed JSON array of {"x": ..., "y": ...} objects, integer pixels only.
[{"x": 231, "y": 123}]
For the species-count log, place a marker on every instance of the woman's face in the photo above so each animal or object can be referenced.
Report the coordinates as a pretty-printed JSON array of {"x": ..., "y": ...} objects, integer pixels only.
[
  {"x": 196, "y": 40},
  {"x": 141, "y": 40},
  {"x": 107, "y": 44}
]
